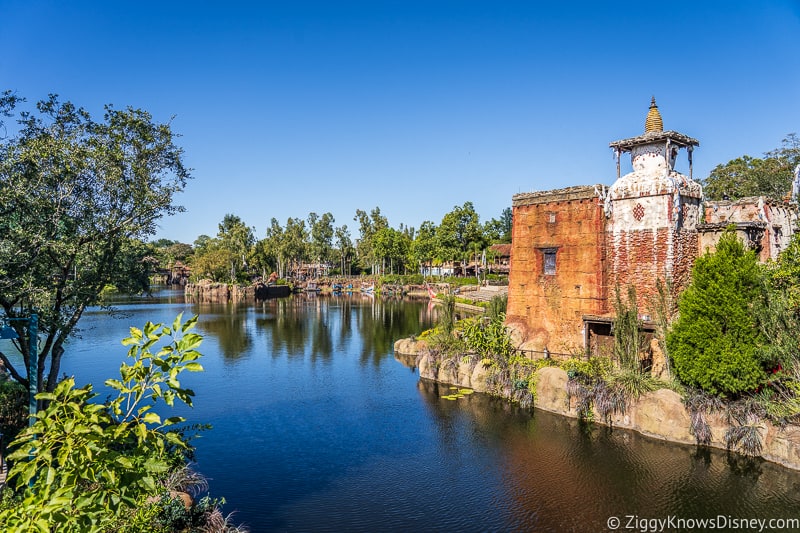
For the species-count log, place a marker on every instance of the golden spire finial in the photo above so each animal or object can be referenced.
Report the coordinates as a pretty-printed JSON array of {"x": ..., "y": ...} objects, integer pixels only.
[{"x": 653, "y": 121}]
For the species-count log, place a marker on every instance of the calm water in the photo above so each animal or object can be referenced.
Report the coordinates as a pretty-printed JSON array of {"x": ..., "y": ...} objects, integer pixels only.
[{"x": 317, "y": 427}]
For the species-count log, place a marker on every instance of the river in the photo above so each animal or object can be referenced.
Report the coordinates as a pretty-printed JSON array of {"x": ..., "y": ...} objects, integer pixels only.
[{"x": 318, "y": 427}]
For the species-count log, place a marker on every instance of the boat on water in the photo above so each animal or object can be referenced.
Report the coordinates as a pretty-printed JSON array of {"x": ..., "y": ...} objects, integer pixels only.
[{"x": 368, "y": 288}]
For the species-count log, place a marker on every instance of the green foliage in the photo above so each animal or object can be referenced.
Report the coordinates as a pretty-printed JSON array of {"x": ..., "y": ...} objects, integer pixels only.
[
  {"x": 628, "y": 340},
  {"x": 237, "y": 240},
  {"x": 77, "y": 196},
  {"x": 594, "y": 367},
  {"x": 497, "y": 306},
  {"x": 664, "y": 308},
  {"x": 785, "y": 274},
  {"x": 13, "y": 408},
  {"x": 749, "y": 176},
  {"x": 447, "y": 315},
  {"x": 499, "y": 231},
  {"x": 488, "y": 337},
  {"x": 632, "y": 383},
  {"x": 716, "y": 341},
  {"x": 458, "y": 233},
  {"x": 83, "y": 464}
]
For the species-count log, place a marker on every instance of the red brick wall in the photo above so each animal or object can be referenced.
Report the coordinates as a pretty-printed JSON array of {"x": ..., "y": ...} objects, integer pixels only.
[
  {"x": 641, "y": 257},
  {"x": 550, "y": 307}
]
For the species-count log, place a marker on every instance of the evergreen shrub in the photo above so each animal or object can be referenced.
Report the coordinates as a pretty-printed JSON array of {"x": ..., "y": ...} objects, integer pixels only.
[{"x": 716, "y": 343}]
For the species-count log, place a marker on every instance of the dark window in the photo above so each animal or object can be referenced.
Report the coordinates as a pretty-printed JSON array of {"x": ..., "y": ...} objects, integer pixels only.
[{"x": 549, "y": 261}]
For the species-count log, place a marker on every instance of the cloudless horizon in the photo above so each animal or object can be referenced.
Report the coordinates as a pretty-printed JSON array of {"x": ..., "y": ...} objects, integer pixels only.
[{"x": 415, "y": 107}]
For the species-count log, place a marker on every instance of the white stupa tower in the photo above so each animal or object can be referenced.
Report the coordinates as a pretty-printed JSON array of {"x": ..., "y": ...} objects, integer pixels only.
[{"x": 652, "y": 211}]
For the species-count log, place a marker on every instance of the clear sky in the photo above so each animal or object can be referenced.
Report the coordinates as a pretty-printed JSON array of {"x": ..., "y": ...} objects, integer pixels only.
[{"x": 287, "y": 107}]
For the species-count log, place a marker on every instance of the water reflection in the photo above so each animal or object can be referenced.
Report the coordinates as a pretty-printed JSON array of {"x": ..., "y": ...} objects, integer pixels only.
[
  {"x": 318, "y": 428},
  {"x": 320, "y": 325},
  {"x": 564, "y": 475},
  {"x": 229, "y": 325}
]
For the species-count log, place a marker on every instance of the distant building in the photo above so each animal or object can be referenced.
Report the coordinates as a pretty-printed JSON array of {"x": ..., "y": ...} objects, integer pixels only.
[{"x": 572, "y": 247}]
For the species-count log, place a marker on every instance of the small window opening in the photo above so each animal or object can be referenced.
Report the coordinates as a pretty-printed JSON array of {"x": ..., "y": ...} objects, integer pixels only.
[{"x": 549, "y": 261}]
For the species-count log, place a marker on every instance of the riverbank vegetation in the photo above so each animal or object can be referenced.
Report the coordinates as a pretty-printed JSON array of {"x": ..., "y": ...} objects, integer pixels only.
[
  {"x": 730, "y": 345},
  {"x": 315, "y": 246},
  {"x": 118, "y": 465}
]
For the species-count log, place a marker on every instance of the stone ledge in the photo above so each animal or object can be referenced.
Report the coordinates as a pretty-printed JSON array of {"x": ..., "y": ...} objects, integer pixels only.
[
  {"x": 579, "y": 192},
  {"x": 659, "y": 414}
]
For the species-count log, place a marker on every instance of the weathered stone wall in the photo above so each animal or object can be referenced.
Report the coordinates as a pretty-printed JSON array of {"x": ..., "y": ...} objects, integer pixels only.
[
  {"x": 639, "y": 258},
  {"x": 209, "y": 291},
  {"x": 659, "y": 414},
  {"x": 779, "y": 220},
  {"x": 548, "y": 308}
]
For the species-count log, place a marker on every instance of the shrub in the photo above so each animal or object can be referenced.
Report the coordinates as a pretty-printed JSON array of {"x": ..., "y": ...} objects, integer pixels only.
[
  {"x": 89, "y": 466},
  {"x": 715, "y": 341}
]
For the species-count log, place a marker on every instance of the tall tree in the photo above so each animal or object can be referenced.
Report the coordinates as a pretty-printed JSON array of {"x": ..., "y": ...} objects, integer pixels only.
[
  {"x": 238, "y": 240},
  {"x": 345, "y": 247},
  {"x": 294, "y": 243},
  {"x": 499, "y": 230},
  {"x": 459, "y": 232},
  {"x": 424, "y": 248},
  {"x": 274, "y": 244},
  {"x": 74, "y": 194},
  {"x": 322, "y": 237},
  {"x": 369, "y": 225}
]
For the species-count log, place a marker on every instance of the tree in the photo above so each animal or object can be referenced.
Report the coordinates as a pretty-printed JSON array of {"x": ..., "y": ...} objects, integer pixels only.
[
  {"x": 389, "y": 244},
  {"x": 293, "y": 243},
  {"x": 424, "y": 247},
  {"x": 212, "y": 261},
  {"x": 74, "y": 195},
  {"x": 321, "y": 236},
  {"x": 369, "y": 225},
  {"x": 459, "y": 232},
  {"x": 750, "y": 176},
  {"x": 273, "y": 242},
  {"x": 345, "y": 247},
  {"x": 717, "y": 342},
  {"x": 237, "y": 239},
  {"x": 499, "y": 231}
]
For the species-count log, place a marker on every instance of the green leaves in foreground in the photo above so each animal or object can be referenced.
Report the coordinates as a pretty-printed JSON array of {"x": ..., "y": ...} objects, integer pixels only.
[{"x": 83, "y": 464}]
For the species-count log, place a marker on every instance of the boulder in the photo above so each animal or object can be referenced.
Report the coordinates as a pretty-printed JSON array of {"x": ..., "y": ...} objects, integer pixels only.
[
  {"x": 661, "y": 414},
  {"x": 426, "y": 369},
  {"x": 478, "y": 378},
  {"x": 783, "y": 445},
  {"x": 448, "y": 373},
  {"x": 410, "y": 346},
  {"x": 464, "y": 374},
  {"x": 551, "y": 390}
]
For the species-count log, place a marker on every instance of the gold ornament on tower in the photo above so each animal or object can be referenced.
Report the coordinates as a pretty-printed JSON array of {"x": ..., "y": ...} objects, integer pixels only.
[{"x": 653, "y": 121}]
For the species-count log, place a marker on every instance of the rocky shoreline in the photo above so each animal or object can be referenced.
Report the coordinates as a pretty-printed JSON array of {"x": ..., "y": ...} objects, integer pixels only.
[{"x": 659, "y": 414}]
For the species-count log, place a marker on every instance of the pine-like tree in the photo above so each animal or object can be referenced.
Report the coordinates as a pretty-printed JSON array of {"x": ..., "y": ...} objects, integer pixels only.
[{"x": 716, "y": 343}]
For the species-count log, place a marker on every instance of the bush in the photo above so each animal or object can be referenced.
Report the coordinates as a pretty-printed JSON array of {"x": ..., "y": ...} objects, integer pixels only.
[
  {"x": 89, "y": 466},
  {"x": 716, "y": 341}
]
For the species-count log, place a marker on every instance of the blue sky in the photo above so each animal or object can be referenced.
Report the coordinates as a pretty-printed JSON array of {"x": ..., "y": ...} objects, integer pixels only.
[{"x": 297, "y": 106}]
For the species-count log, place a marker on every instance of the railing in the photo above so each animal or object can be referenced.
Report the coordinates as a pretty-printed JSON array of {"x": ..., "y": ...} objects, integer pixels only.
[{"x": 544, "y": 354}]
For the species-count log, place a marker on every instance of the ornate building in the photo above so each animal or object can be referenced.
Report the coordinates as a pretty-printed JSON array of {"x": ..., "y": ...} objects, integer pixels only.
[{"x": 572, "y": 247}]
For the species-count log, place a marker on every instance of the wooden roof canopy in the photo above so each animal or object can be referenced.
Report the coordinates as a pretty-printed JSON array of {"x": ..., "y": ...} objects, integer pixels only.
[{"x": 654, "y": 133}]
